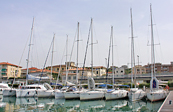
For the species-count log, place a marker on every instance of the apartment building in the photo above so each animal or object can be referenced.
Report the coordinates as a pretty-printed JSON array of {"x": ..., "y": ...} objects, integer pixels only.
[
  {"x": 118, "y": 72},
  {"x": 56, "y": 68},
  {"x": 139, "y": 69},
  {"x": 160, "y": 68},
  {"x": 8, "y": 70},
  {"x": 99, "y": 70},
  {"x": 72, "y": 74}
]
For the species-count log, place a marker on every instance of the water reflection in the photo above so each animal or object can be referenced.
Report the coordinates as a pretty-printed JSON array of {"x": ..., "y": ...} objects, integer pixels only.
[{"x": 51, "y": 104}]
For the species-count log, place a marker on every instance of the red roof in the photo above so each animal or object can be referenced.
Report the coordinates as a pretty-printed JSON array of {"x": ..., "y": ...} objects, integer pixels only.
[
  {"x": 70, "y": 74},
  {"x": 6, "y": 63},
  {"x": 99, "y": 67},
  {"x": 78, "y": 69},
  {"x": 32, "y": 68},
  {"x": 36, "y": 70},
  {"x": 57, "y": 66}
]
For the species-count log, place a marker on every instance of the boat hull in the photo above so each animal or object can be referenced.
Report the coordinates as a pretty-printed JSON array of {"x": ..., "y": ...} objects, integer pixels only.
[
  {"x": 59, "y": 94},
  {"x": 9, "y": 92},
  {"x": 92, "y": 95},
  {"x": 1, "y": 91},
  {"x": 157, "y": 95},
  {"x": 137, "y": 95},
  {"x": 26, "y": 93},
  {"x": 45, "y": 93},
  {"x": 72, "y": 95},
  {"x": 117, "y": 94}
]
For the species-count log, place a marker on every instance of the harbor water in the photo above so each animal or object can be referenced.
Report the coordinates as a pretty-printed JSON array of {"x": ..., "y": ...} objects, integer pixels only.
[{"x": 10, "y": 104}]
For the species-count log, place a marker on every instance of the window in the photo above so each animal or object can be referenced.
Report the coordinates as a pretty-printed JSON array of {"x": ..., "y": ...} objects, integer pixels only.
[
  {"x": 69, "y": 77},
  {"x": 97, "y": 72},
  {"x": 121, "y": 71},
  {"x": 32, "y": 87},
  {"x": 74, "y": 77},
  {"x": 57, "y": 69},
  {"x": 138, "y": 70},
  {"x": 62, "y": 68},
  {"x": 38, "y": 88},
  {"x": 64, "y": 78}
]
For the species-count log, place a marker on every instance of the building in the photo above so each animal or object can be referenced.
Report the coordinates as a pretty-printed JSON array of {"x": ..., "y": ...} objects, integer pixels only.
[
  {"x": 160, "y": 68},
  {"x": 56, "y": 68},
  {"x": 118, "y": 72},
  {"x": 72, "y": 74},
  {"x": 139, "y": 70},
  {"x": 8, "y": 70},
  {"x": 38, "y": 72},
  {"x": 99, "y": 70}
]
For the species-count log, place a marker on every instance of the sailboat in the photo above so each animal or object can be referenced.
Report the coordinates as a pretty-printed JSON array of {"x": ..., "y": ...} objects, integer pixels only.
[
  {"x": 155, "y": 93},
  {"x": 35, "y": 90},
  {"x": 91, "y": 94},
  {"x": 11, "y": 91},
  {"x": 134, "y": 93},
  {"x": 74, "y": 92},
  {"x": 115, "y": 93},
  {"x": 19, "y": 92},
  {"x": 60, "y": 93}
]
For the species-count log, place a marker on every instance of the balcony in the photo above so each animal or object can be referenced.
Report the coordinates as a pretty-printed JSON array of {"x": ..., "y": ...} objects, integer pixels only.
[
  {"x": 4, "y": 70},
  {"x": 3, "y": 73}
]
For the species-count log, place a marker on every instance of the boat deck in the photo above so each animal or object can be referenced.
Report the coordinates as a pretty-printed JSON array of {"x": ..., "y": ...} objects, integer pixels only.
[{"x": 167, "y": 105}]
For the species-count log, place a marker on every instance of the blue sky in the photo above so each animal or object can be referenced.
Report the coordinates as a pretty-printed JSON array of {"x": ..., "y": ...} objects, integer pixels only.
[{"x": 61, "y": 17}]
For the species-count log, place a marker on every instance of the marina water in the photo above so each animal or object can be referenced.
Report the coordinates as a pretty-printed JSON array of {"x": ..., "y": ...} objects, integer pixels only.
[{"x": 10, "y": 104}]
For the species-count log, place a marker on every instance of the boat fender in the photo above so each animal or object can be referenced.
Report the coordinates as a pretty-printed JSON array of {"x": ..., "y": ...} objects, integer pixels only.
[
  {"x": 28, "y": 93},
  {"x": 35, "y": 92}
]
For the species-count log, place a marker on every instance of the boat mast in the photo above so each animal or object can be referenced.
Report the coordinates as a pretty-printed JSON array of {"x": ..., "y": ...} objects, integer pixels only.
[
  {"x": 52, "y": 57},
  {"x": 91, "y": 47},
  {"x": 112, "y": 57},
  {"x": 152, "y": 50},
  {"x": 108, "y": 57},
  {"x": 132, "y": 53},
  {"x": 27, "y": 72},
  {"x": 77, "y": 54},
  {"x": 86, "y": 52},
  {"x": 66, "y": 60}
]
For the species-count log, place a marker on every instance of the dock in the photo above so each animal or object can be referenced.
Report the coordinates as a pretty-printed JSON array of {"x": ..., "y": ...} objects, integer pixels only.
[{"x": 167, "y": 105}]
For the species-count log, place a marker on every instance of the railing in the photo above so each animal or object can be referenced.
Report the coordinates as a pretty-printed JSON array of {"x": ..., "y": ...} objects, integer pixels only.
[
  {"x": 4, "y": 70},
  {"x": 138, "y": 75}
]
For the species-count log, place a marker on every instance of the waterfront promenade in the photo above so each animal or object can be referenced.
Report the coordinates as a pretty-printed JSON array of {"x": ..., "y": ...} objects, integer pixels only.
[{"x": 167, "y": 105}]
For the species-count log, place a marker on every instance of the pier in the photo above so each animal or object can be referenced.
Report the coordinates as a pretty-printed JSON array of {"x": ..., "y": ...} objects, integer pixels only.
[{"x": 167, "y": 105}]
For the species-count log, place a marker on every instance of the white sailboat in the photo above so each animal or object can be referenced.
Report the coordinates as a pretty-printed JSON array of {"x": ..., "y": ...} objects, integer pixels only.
[
  {"x": 31, "y": 92},
  {"x": 134, "y": 93},
  {"x": 49, "y": 92},
  {"x": 91, "y": 94},
  {"x": 115, "y": 93},
  {"x": 35, "y": 90},
  {"x": 74, "y": 92},
  {"x": 155, "y": 93},
  {"x": 60, "y": 93},
  {"x": 11, "y": 91}
]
